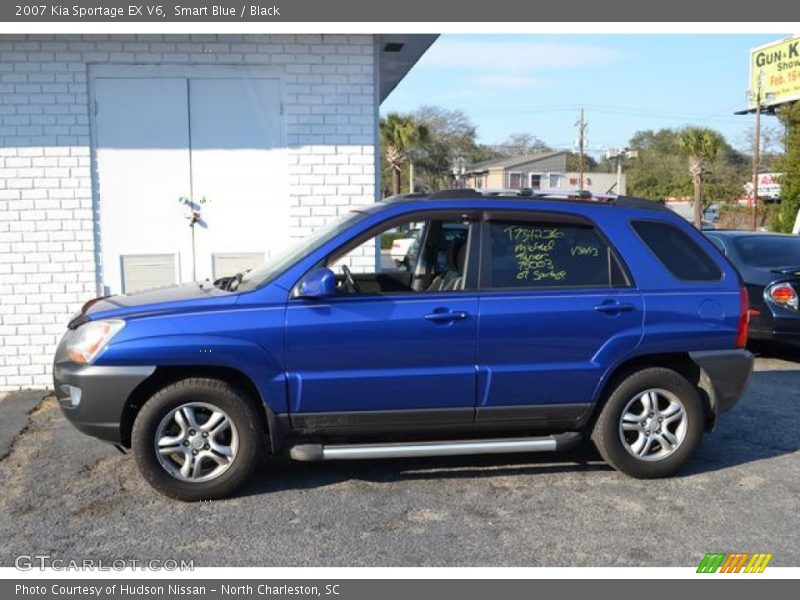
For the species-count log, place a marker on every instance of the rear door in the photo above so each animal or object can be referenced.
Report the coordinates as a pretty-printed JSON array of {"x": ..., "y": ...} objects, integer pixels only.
[{"x": 557, "y": 308}]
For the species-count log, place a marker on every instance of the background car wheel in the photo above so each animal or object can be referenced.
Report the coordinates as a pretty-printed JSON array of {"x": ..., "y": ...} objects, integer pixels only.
[
  {"x": 198, "y": 439},
  {"x": 651, "y": 424}
]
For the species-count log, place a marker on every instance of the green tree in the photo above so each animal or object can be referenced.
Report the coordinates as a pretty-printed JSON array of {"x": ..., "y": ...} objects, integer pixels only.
[
  {"x": 399, "y": 134},
  {"x": 574, "y": 162},
  {"x": 701, "y": 146},
  {"x": 451, "y": 135},
  {"x": 789, "y": 167},
  {"x": 659, "y": 171}
]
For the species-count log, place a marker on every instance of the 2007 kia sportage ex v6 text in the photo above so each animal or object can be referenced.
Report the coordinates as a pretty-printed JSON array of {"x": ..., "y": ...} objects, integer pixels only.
[{"x": 523, "y": 323}]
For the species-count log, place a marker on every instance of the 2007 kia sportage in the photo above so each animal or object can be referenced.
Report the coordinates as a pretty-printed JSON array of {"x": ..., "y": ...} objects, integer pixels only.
[{"x": 522, "y": 323}]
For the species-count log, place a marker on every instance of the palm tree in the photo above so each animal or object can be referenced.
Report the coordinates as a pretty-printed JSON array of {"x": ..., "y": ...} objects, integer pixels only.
[
  {"x": 399, "y": 134},
  {"x": 701, "y": 145}
]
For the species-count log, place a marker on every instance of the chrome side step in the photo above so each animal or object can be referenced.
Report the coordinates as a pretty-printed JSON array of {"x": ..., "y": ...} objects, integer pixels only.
[{"x": 551, "y": 443}]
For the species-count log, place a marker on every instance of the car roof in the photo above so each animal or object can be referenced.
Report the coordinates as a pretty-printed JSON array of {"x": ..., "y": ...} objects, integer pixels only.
[
  {"x": 519, "y": 198},
  {"x": 739, "y": 233}
]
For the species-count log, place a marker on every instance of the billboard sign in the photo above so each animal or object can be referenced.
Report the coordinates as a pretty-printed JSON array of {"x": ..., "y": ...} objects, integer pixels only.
[
  {"x": 769, "y": 186},
  {"x": 777, "y": 66}
]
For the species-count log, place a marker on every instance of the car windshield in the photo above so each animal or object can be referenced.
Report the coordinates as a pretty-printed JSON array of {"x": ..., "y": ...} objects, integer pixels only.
[
  {"x": 270, "y": 269},
  {"x": 769, "y": 251}
]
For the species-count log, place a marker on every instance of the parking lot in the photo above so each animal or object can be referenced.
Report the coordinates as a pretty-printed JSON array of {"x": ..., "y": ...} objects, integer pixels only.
[{"x": 72, "y": 497}]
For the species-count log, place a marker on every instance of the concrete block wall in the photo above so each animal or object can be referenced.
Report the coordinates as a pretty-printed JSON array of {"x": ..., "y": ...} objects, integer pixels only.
[{"x": 49, "y": 232}]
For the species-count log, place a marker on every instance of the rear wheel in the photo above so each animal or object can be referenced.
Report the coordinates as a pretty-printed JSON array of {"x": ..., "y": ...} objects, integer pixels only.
[
  {"x": 197, "y": 439},
  {"x": 651, "y": 424}
]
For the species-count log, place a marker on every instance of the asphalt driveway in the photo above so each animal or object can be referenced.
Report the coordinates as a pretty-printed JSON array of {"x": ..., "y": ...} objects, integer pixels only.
[{"x": 72, "y": 497}]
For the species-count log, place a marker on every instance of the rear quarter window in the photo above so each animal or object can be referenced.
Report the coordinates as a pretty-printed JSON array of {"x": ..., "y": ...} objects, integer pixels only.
[{"x": 677, "y": 251}]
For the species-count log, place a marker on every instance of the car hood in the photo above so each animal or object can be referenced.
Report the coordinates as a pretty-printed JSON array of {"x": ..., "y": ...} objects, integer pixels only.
[{"x": 186, "y": 296}]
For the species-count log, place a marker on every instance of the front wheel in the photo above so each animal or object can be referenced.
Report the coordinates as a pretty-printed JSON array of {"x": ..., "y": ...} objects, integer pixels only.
[
  {"x": 651, "y": 424},
  {"x": 197, "y": 439}
]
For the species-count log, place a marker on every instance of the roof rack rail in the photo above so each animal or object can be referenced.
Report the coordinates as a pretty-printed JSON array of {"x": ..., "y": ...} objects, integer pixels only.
[
  {"x": 505, "y": 192},
  {"x": 449, "y": 193},
  {"x": 549, "y": 194},
  {"x": 556, "y": 194}
]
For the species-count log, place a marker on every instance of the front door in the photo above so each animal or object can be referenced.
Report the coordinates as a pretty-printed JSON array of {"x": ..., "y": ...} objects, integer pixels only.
[
  {"x": 389, "y": 350},
  {"x": 176, "y": 141},
  {"x": 556, "y": 309}
]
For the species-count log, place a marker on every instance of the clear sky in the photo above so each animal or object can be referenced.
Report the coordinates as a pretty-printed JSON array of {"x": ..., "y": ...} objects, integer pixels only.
[{"x": 536, "y": 83}]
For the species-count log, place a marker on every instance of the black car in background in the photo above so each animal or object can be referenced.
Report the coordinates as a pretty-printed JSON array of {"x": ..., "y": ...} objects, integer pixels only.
[{"x": 770, "y": 267}]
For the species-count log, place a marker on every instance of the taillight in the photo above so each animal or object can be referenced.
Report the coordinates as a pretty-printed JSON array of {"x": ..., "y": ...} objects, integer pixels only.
[
  {"x": 744, "y": 318},
  {"x": 784, "y": 295}
]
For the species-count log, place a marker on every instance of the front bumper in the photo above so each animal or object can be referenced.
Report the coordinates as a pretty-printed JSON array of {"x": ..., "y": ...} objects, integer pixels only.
[
  {"x": 93, "y": 397},
  {"x": 724, "y": 375}
]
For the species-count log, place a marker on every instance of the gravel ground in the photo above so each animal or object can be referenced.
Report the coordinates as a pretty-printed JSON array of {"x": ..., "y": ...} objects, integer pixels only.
[{"x": 72, "y": 497}]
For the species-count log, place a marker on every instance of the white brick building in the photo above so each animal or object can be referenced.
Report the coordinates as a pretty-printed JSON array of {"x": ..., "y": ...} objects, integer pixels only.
[{"x": 101, "y": 135}]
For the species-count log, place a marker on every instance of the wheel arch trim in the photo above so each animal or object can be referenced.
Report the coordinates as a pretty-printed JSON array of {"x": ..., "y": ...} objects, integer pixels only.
[
  {"x": 165, "y": 375},
  {"x": 680, "y": 362}
]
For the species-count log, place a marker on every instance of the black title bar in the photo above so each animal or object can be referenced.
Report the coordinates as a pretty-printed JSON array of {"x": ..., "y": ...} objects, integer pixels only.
[{"x": 465, "y": 11}]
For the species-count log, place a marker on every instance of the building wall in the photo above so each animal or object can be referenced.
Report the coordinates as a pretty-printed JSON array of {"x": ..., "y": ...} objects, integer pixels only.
[
  {"x": 499, "y": 177},
  {"x": 48, "y": 214},
  {"x": 496, "y": 178},
  {"x": 597, "y": 183}
]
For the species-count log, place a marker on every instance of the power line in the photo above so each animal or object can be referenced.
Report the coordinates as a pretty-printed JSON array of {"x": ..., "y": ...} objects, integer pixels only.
[{"x": 610, "y": 109}]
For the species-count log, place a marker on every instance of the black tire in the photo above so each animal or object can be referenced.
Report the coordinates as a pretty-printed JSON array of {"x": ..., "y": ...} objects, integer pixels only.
[
  {"x": 606, "y": 433},
  {"x": 242, "y": 412}
]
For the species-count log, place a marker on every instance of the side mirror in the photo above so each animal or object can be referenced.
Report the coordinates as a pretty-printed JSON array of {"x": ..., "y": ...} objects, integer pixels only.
[{"x": 318, "y": 284}]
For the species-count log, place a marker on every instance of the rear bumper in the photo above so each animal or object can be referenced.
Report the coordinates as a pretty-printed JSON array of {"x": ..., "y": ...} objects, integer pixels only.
[
  {"x": 780, "y": 336},
  {"x": 724, "y": 375},
  {"x": 774, "y": 323},
  {"x": 93, "y": 397}
]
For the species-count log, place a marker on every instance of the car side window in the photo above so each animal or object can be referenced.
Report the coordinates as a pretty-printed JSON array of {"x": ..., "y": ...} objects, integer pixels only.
[
  {"x": 679, "y": 253},
  {"x": 413, "y": 256},
  {"x": 527, "y": 254}
]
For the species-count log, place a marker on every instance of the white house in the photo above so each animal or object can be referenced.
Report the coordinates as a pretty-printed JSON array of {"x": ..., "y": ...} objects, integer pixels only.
[{"x": 112, "y": 145}]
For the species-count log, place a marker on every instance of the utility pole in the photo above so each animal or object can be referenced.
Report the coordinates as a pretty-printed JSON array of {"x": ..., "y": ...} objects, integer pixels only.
[
  {"x": 581, "y": 124},
  {"x": 759, "y": 96},
  {"x": 757, "y": 155},
  {"x": 619, "y": 155}
]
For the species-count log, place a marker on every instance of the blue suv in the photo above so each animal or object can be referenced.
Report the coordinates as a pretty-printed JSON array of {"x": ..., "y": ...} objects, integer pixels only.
[{"x": 520, "y": 323}]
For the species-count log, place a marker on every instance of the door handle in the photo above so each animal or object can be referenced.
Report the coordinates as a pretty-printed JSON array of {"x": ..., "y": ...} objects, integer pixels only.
[
  {"x": 443, "y": 317},
  {"x": 614, "y": 307}
]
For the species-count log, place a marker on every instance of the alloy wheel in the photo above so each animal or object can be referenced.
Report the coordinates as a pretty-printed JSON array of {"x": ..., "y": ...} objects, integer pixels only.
[
  {"x": 196, "y": 442},
  {"x": 653, "y": 424}
]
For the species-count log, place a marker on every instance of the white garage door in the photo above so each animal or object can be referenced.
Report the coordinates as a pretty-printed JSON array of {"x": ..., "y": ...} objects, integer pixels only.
[
  {"x": 212, "y": 138},
  {"x": 146, "y": 271},
  {"x": 230, "y": 263}
]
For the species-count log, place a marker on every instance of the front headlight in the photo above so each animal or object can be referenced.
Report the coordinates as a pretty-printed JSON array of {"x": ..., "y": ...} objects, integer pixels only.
[{"x": 90, "y": 338}]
